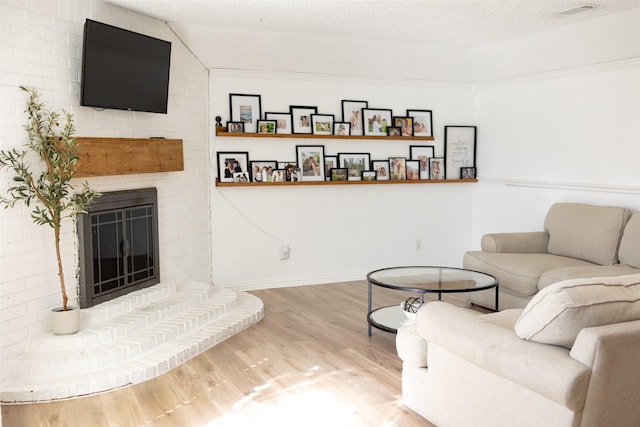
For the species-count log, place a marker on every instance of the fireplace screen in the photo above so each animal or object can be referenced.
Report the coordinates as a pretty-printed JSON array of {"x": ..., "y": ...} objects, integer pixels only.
[{"x": 118, "y": 245}]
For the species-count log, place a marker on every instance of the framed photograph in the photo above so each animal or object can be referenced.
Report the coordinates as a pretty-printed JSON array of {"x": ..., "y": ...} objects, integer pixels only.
[
  {"x": 267, "y": 127},
  {"x": 339, "y": 174},
  {"x": 294, "y": 174},
  {"x": 436, "y": 168},
  {"x": 283, "y": 121},
  {"x": 322, "y": 124},
  {"x": 246, "y": 109},
  {"x": 394, "y": 131},
  {"x": 330, "y": 162},
  {"x": 381, "y": 167},
  {"x": 232, "y": 162},
  {"x": 422, "y": 153},
  {"x": 261, "y": 170},
  {"x": 241, "y": 177},
  {"x": 278, "y": 175},
  {"x": 368, "y": 175},
  {"x": 235, "y": 127},
  {"x": 467, "y": 173},
  {"x": 413, "y": 169},
  {"x": 459, "y": 148},
  {"x": 398, "y": 168},
  {"x": 405, "y": 124},
  {"x": 311, "y": 162},
  {"x": 352, "y": 114},
  {"x": 301, "y": 118},
  {"x": 341, "y": 128},
  {"x": 376, "y": 121},
  {"x": 355, "y": 163},
  {"x": 422, "y": 122}
]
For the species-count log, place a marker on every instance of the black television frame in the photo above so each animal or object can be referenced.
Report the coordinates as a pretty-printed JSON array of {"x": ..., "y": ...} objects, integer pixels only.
[{"x": 124, "y": 70}]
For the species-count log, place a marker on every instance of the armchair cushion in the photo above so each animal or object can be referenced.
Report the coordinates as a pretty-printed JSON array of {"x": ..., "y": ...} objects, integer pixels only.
[
  {"x": 629, "y": 252},
  {"x": 557, "y": 313},
  {"x": 590, "y": 233},
  {"x": 519, "y": 273},
  {"x": 522, "y": 242}
]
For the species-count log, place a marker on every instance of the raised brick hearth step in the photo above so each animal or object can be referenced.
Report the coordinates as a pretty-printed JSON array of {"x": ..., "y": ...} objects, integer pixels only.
[{"x": 129, "y": 340}]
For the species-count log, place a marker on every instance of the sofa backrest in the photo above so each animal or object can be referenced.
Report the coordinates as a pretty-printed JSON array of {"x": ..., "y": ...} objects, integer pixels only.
[
  {"x": 629, "y": 252},
  {"x": 590, "y": 233}
]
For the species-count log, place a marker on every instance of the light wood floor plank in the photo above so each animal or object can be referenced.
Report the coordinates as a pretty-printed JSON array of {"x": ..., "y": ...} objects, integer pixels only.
[{"x": 308, "y": 362}]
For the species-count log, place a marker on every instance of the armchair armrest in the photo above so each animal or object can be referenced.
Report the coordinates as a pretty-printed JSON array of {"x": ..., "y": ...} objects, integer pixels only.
[
  {"x": 545, "y": 369},
  {"x": 524, "y": 242}
]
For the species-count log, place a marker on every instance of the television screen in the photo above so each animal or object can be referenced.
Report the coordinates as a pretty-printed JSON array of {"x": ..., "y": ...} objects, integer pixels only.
[{"x": 124, "y": 70}]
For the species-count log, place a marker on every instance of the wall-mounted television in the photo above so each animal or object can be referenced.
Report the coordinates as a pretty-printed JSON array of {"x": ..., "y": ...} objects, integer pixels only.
[{"x": 123, "y": 70}]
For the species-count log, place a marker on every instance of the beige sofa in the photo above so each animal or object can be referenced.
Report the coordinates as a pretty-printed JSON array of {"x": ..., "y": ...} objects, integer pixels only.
[
  {"x": 570, "y": 358},
  {"x": 577, "y": 241}
]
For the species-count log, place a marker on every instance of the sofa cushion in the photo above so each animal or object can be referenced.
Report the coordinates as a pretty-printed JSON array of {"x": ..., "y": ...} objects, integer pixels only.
[
  {"x": 582, "y": 272},
  {"x": 559, "y": 312},
  {"x": 629, "y": 252},
  {"x": 517, "y": 272},
  {"x": 590, "y": 233}
]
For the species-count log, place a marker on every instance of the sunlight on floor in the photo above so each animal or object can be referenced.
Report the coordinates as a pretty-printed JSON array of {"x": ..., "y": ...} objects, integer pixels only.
[{"x": 311, "y": 402}]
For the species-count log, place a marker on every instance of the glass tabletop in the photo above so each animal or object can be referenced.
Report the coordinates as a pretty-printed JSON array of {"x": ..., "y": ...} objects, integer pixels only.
[{"x": 431, "y": 279}]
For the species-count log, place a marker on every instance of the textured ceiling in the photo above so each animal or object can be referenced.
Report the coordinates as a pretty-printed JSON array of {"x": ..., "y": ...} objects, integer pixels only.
[{"x": 452, "y": 23}]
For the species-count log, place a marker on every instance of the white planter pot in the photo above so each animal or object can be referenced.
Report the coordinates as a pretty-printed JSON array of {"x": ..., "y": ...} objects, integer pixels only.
[{"x": 65, "y": 322}]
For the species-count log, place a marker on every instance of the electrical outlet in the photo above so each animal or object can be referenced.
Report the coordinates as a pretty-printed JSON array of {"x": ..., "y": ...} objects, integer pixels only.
[
  {"x": 418, "y": 244},
  {"x": 283, "y": 252}
]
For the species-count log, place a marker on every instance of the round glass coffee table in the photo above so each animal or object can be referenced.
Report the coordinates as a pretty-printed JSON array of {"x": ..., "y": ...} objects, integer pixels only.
[{"x": 421, "y": 280}]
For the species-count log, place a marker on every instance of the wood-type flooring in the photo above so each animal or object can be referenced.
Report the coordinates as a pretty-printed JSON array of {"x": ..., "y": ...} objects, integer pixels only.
[{"x": 309, "y": 362}]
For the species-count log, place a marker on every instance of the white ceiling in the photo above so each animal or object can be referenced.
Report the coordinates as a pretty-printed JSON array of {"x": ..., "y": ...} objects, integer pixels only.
[{"x": 449, "y": 23}]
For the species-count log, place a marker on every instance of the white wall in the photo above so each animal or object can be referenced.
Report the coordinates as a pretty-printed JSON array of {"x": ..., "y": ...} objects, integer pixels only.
[
  {"x": 559, "y": 114},
  {"x": 335, "y": 232},
  {"x": 42, "y": 47}
]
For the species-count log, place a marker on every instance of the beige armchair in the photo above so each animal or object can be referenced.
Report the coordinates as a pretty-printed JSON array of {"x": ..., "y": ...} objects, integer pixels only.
[{"x": 561, "y": 361}]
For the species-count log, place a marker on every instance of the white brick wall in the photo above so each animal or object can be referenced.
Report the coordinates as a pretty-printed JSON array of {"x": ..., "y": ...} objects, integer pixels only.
[{"x": 41, "y": 46}]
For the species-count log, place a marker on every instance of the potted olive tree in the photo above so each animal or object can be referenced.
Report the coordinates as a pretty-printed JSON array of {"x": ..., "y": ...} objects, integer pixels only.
[{"x": 47, "y": 185}]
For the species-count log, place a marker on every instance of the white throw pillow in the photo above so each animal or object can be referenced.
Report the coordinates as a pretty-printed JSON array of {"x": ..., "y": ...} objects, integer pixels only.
[{"x": 557, "y": 313}]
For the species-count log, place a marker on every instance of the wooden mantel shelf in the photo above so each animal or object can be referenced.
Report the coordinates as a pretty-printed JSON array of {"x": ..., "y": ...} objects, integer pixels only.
[{"x": 124, "y": 156}]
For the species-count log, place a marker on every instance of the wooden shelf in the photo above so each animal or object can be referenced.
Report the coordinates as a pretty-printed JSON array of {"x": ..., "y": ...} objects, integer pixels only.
[
  {"x": 124, "y": 156},
  {"x": 279, "y": 184},
  {"x": 222, "y": 131}
]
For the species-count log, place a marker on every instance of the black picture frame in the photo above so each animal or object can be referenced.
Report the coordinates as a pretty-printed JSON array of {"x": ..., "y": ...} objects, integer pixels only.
[
  {"x": 226, "y": 158},
  {"x": 459, "y": 148},
  {"x": 394, "y": 131},
  {"x": 301, "y": 118},
  {"x": 267, "y": 127},
  {"x": 310, "y": 159},
  {"x": 422, "y": 153},
  {"x": 422, "y": 122},
  {"x": 283, "y": 121},
  {"x": 262, "y": 169},
  {"x": 369, "y": 175},
  {"x": 235, "y": 127},
  {"x": 322, "y": 124},
  {"x": 467, "y": 173},
  {"x": 376, "y": 121},
  {"x": 339, "y": 174},
  {"x": 397, "y": 168},
  {"x": 355, "y": 163},
  {"x": 341, "y": 128},
  {"x": 382, "y": 169},
  {"x": 352, "y": 114},
  {"x": 245, "y": 108},
  {"x": 437, "y": 168},
  {"x": 405, "y": 123},
  {"x": 330, "y": 162},
  {"x": 412, "y": 169}
]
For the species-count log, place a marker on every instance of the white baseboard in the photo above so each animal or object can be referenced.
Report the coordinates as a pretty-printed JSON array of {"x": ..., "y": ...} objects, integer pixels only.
[{"x": 294, "y": 281}]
